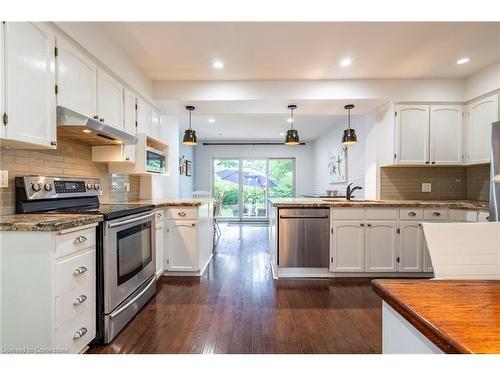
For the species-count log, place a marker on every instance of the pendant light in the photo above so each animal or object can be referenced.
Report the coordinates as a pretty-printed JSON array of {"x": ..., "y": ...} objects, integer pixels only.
[
  {"x": 190, "y": 134},
  {"x": 292, "y": 135},
  {"x": 349, "y": 137}
]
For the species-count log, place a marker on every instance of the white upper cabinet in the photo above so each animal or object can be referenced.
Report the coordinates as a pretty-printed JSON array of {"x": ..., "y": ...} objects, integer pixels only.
[
  {"x": 76, "y": 80},
  {"x": 446, "y": 129},
  {"x": 30, "y": 100},
  {"x": 129, "y": 123},
  {"x": 413, "y": 134},
  {"x": 155, "y": 124},
  {"x": 109, "y": 100},
  {"x": 2, "y": 70},
  {"x": 381, "y": 246},
  {"x": 347, "y": 246},
  {"x": 480, "y": 115},
  {"x": 143, "y": 114}
]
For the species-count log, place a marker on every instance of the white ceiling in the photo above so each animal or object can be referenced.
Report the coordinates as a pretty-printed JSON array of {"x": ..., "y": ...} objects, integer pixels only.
[{"x": 256, "y": 50}]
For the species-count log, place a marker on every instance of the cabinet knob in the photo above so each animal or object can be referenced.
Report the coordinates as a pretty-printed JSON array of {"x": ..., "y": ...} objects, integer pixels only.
[
  {"x": 80, "y": 333},
  {"x": 420, "y": 225},
  {"x": 80, "y": 270},
  {"x": 101, "y": 119},
  {"x": 369, "y": 225},
  {"x": 433, "y": 162},
  {"x": 182, "y": 213},
  {"x": 96, "y": 117},
  {"x": 80, "y": 299},
  {"x": 53, "y": 143},
  {"x": 127, "y": 159},
  {"x": 361, "y": 225},
  {"x": 426, "y": 162}
]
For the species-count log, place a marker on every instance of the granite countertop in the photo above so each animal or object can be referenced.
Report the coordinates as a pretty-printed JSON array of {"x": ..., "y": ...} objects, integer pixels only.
[
  {"x": 171, "y": 202},
  {"x": 360, "y": 203},
  {"x": 458, "y": 316},
  {"x": 45, "y": 222}
]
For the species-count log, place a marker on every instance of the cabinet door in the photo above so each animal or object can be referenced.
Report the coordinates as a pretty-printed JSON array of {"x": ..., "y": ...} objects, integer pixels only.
[
  {"x": 143, "y": 114},
  {"x": 446, "y": 127},
  {"x": 155, "y": 124},
  {"x": 129, "y": 123},
  {"x": 76, "y": 80},
  {"x": 347, "y": 246},
  {"x": 160, "y": 245},
  {"x": 427, "y": 267},
  {"x": 480, "y": 116},
  {"x": 411, "y": 247},
  {"x": 182, "y": 244},
  {"x": 109, "y": 100},
  {"x": 381, "y": 246},
  {"x": 30, "y": 84},
  {"x": 413, "y": 134}
]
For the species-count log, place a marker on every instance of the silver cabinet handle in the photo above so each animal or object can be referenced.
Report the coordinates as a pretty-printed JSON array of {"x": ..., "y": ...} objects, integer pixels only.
[
  {"x": 79, "y": 240},
  {"x": 412, "y": 213},
  {"x": 436, "y": 214},
  {"x": 80, "y": 333},
  {"x": 181, "y": 213},
  {"x": 80, "y": 299},
  {"x": 80, "y": 270},
  {"x": 114, "y": 314},
  {"x": 130, "y": 221}
]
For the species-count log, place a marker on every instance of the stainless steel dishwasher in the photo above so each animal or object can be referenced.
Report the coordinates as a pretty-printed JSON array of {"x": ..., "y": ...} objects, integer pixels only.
[{"x": 304, "y": 237}]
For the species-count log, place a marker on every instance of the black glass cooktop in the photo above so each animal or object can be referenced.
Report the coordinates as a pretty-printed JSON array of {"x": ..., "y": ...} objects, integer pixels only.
[{"x": 109, "y": 211}]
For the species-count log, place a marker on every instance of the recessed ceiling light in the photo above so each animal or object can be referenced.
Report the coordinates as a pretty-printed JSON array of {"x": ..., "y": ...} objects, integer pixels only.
[
  {"x": 218, "y": 64},
  {"x": 463, "y": 60},
  {"x": 289, "y": 120},
  {"x": 87, "y": 131},
  {"x": 219, "y": 133},
  {"x": 211, "y": 120},
  {"x": 282, "y": 134},
  {"x": 345, "y": 61}
]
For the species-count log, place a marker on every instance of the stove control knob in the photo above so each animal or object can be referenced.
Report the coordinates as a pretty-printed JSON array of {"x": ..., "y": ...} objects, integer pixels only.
[
  {"x": 90, "y": 186},
  {"x": 37, "y": 186},
  {"x": 47, "y": 187},
  {"x": 97, "y": 186}
]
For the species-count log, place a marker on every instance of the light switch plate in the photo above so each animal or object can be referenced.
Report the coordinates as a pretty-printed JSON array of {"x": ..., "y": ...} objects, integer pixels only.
[
  {"x": 426, "y": 187},
  {"x": 4, "y": 179}
]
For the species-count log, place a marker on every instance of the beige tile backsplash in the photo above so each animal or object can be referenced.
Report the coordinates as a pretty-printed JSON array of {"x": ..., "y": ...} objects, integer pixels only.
[
  {"x": 447, "y": 182},
  {"x": 70, "y": 159}
]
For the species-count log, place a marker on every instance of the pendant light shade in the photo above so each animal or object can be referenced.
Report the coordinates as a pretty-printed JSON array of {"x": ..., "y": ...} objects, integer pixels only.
[
  {"x": 349, "y": 137},
  {"x": 190, "y": 134},
  {"x": 292, "y": 135}
]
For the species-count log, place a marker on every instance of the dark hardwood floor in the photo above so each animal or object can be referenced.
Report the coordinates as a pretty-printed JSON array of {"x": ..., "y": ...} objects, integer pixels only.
[{"x": 236, "y": 307}]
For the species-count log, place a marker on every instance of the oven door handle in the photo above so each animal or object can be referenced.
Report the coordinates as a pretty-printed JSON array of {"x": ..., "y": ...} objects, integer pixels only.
[
  {"x": 129, "y": 221},
  {"x": 128, "y": 304}
]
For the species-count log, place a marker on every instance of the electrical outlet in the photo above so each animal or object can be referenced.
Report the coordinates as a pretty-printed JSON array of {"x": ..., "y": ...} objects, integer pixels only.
[
  {"x": 426, "y": 187},
  {"x": 4, "y": 179}
]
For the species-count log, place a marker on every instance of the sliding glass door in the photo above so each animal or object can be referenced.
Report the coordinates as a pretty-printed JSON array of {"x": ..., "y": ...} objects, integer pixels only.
[{"x": 243, "y": 185}]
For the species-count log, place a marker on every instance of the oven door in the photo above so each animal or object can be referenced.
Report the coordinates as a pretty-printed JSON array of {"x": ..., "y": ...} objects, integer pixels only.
[{"x": 129, "y": 256}]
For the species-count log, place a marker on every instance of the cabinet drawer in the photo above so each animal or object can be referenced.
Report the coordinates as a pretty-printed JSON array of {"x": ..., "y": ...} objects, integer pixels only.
[
  {"x": 436, "y": 214},
  {"x": 75, "y": 271},
  {"x": 182, "y": 213},
  {"x": 463, "y": 215},
  {"x": 347, "y": 213},
  {"x": 78, "y": 301},
  {"x": 381, "y": 214},
  {"x": 411, "y": 214},
  {"x": 76, "y": 334},
  {"x": 70, "y": 242},
  {"x": 483, "y": 216}
]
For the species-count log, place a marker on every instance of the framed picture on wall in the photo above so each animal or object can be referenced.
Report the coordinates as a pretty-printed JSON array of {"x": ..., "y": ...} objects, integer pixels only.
[
  {"x": 188, "y": 167},
  {"x": 337, "y": 165},
  {"x": 182, "y": 165}
]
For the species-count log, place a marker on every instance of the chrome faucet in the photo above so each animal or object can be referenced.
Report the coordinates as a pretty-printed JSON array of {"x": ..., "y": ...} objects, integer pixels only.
[{"x": 349, "y": 191}]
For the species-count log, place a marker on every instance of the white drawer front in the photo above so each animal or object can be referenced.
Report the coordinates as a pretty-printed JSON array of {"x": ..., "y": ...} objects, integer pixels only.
[
  {"x": 483, "y": 216},
  {"x": 411, "y": 214},
  {"x": 347, "y": 213},
  {"x": 75, "y": 271},
  {"x": 76, "y": 334},
  {"x": 436, "y": 214},
  {"x": 463, "y": 215},
  {"x": 68, "y": 243},
  {"x": 182, "y": 213},
  {"x": 78, "y": 301},
  {"x": 381, "y": 214}
]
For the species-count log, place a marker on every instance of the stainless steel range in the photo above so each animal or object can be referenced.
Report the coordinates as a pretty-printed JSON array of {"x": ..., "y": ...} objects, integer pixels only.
[{"x": 125, "y": 247}]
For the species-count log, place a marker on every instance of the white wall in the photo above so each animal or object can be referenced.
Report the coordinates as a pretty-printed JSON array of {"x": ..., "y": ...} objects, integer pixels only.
[
  {"x": 303, "y": 162},
  {"x": 186, "y": 183},
  {"x": 170, "y": 132},
  {"x": 332, "y": 139},
  {"x": 483, "y": 82},
  {"x": 104, "y": 50}
]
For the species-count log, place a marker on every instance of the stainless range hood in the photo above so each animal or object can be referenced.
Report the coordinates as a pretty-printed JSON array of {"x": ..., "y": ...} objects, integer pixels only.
[{"x": 76, "y": 127}]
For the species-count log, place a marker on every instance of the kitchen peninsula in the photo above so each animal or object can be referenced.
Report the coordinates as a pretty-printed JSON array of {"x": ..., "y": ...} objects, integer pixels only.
[{"x": 370, "y": 238}]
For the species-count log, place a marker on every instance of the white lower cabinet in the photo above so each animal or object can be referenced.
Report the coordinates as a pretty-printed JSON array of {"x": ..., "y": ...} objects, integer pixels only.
[
  {"x": 160, "y": 240},
  {"x": 347, "y": 246},
  {"x": 411, "y": 246},
  {"x": 427, "y": 266},
  {"x": 381, "y": 246},
  {"x": 189, "y": 239},
  {"x": 48, "y": 281}
]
